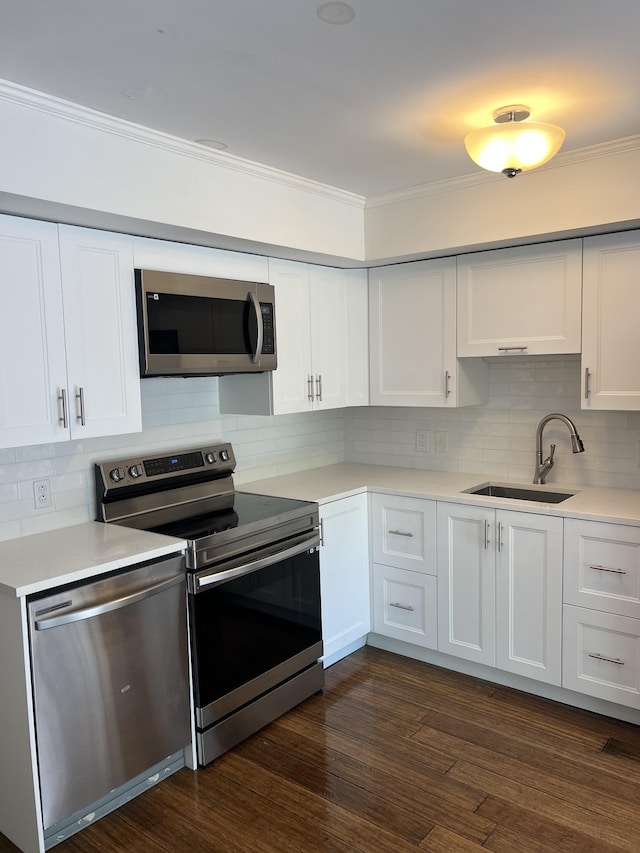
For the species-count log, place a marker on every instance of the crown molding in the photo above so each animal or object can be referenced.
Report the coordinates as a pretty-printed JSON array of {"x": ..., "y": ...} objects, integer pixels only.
[
  {"x": 567, "y": 158},
  {"x": 68, "y": 111}
]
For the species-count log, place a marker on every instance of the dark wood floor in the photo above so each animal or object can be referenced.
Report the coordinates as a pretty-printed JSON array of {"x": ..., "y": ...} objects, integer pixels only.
[{"x": 398, "y": 757}]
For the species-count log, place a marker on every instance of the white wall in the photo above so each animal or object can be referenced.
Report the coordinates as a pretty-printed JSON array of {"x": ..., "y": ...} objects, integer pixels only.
[
  {"x": 497, "y": 440},
  {"x": 177, "y": 414}
]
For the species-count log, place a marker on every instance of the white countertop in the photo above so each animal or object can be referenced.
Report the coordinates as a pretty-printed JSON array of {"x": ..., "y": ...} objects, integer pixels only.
[
  {"x": 619, "y": 506},
  {"x": 46, "y": 560}
]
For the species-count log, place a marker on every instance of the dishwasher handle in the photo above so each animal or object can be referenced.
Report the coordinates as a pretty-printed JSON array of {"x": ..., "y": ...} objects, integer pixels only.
[{"x": 107, "y": 606}]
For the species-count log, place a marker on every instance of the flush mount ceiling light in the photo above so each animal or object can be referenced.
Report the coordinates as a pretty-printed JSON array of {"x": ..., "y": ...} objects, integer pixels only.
[
  {"x": 513, "y": 145},
  {"x": 336, "y": 13}
]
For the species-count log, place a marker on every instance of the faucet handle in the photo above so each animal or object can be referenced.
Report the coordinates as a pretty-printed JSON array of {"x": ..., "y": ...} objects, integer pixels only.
[{"x": 553, "y": 450}]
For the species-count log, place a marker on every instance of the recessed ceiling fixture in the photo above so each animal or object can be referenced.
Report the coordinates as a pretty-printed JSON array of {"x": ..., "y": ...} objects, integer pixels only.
[
  {"x": 512, "y": 145},
  {"x": 336, "y": 13},
  {"x": 213, "y": 143}
]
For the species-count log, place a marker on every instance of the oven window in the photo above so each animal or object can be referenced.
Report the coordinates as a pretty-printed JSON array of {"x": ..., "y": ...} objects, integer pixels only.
[
  {"x": 198, "y": 325},
  {"x": 249, "y": 625}
]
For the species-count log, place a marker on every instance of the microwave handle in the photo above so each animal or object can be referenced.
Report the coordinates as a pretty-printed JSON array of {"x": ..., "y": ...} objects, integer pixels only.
[{"x": 260, "y": 325}]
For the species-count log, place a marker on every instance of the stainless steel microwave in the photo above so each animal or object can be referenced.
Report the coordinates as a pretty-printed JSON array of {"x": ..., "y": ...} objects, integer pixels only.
[{"x": 191, "y": 325}]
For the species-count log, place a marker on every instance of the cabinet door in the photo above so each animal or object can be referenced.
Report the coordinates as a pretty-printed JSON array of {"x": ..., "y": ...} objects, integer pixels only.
[
  {"x": 602, "y": 566},
  {"x": 610, "y": 339},
  {"x": 466, "y": 582},
  {"x": 601, "y": 655},
  {"x": 412, "y": 333},
  {"x": 101, "y": 332},
  {"x": 404, "y": 532},
  {"x": 529, "y": 595},
  {"x": 522, "y": 300},
  {"x": 328, "y": 318},
  {"x": 344, "y": 576},
  {"x": 33, "y": 371},
  {"x": 292, "y": 391},
  {"x": 405, "y": 605}
]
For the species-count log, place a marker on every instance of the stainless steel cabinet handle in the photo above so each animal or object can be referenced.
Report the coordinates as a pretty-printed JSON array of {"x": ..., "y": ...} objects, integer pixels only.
[
  {"x": 401, "y": 606},
  {"x": 321, "y": 532},
  {"x": 310, "y": 389},
  {"x": 259, "y": 325},
  {"x": 597, "y": 656},
  {"x": 400, "y": 533},
  {"x": 62, "y": 399},
  {"x": 447, "y": 384},
  {"x": 605, "y": 569},
  {"x": 587, "y": 383},
  {"x": 486, "y": 534},
  {"x": 512, "y": 349},
  {"x": 106, "y": 607},
  {"x": 80, "y": 399},
  {"x": 500, "y": 535},
  {"x": 319, "y": 387}
]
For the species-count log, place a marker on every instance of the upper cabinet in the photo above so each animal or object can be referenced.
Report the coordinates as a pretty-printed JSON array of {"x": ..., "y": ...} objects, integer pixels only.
[
  {"x": 69, "y": 342},
  {"x": 610, "y": 340},
  {"x": 412, "y": 327},
  {"x": 321, "y": 333},
  {"x": 520, "y": 301}
]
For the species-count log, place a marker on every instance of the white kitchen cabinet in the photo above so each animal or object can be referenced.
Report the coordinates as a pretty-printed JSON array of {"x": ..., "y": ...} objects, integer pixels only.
[
  {"x": 344, "y": 576},
  {"x": 528, "y": 550},
  {"x": 601, "y": 655},
  {"x": 412, "y": 328},
  {"x": 466, "y": 582},
  {"x": 184, "y": 258},
  {"x": 525, "y": 300},
  {"x": 321, "y": 332},
  {"x": 103, "y": 377},
  {"x": 611, "y": 307},
  {"x": 405, "y": 605},
  {"x": 69, "y": 337},
  {"x": 403, "y": 532},
  {"x": 500, "y": 589}
]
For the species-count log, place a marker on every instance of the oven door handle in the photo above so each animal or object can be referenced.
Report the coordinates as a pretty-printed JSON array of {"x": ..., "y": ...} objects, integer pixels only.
[
  {"x": 214, "y": 578},
  {"x": 259, "y": 325}
]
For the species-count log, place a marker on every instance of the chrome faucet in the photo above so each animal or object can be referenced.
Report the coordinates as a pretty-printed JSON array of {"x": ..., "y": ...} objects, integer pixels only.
[{"x": 543, "y": 466}]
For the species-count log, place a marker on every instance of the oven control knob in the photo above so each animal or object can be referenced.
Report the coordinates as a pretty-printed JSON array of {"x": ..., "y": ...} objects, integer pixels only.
[
  {"x": 116, "y": 474},
  {"x": 209, "y": 458},
  {"x": 224, "y": 455},
  {"x": 135, "y": 471}
]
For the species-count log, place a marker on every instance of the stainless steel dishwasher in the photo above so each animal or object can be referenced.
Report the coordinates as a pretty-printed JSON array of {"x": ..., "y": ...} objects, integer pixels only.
[{"x": 111, "y": 685}]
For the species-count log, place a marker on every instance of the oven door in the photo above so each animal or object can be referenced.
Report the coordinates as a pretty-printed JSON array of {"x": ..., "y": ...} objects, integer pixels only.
[{"x": 255, "y": 622}]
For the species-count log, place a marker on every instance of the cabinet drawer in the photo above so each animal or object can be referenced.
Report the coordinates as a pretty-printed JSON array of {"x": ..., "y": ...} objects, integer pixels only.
[
  {"x": 602, "y": 566},
  {"x": 601, "y": 655},
  {"x": 404, "y": 533},
  {"x": 405, "y": 605}
]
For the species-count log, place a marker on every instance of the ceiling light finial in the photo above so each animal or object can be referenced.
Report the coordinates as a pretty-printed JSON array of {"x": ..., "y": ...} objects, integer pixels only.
[{"x": 510, "y": 146}]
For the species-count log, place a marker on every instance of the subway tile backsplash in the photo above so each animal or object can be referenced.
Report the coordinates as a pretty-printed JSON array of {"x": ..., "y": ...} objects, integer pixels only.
[{"x": 494, "y": 440}]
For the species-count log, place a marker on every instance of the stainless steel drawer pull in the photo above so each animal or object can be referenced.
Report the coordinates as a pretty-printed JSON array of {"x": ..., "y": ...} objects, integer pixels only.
[
  {"x": 605, "y": 569},
  {"x": 597, "y": 656},
  {"x": 310, "y": 389},
  {"x": 512, "y": 349},
  {"x": 447, "y": 384},
  {"x": 486, "y": 535},
  {"x": 319, "y": 387},
  {"x": 62, "y": 399},
  {"x": 401, "y": 606},
  {"x": 587, "y": 383},
  {"x": 401, "y": 533},
  {"x": 80, "y": 399}
]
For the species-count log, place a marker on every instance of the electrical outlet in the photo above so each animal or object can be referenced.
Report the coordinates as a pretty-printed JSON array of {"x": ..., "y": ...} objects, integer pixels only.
[
  {"x": 42, "y": 493},
  {"x": 442, "y": 441},
  {"x": 422, "y": 440}
]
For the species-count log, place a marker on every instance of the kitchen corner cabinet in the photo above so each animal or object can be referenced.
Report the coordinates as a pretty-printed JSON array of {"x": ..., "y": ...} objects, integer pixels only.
[
  {"x": 525, "y": 300},
  {"x": 412, "y": 327},
  {"x": 611, "y": 307},
  {"x": 404, "y": 569},
  {"x": 500, "y": 589},
  {"x": 68, "y": 342},
  {"x": 321, "y": 332},
  {"x": 344, "y": 576}
]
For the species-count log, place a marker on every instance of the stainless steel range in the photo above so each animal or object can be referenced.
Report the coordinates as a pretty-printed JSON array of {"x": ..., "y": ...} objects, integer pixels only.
[{"x": 253, "y": 580}]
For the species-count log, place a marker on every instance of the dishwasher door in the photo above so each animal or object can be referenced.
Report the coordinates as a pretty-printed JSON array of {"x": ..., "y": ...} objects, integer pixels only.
[{"x": 110, "y": 682}]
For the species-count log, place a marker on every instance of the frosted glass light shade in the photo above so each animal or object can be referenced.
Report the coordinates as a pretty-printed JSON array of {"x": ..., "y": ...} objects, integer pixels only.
[{"x": 514, "y": 145}]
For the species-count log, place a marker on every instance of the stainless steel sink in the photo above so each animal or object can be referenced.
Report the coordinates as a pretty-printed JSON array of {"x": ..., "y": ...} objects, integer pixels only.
[{"x": 519, "y": 493}]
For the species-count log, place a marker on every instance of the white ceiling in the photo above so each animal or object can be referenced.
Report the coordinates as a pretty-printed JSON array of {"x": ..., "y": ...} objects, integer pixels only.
[{"x": 378, "y": 105}]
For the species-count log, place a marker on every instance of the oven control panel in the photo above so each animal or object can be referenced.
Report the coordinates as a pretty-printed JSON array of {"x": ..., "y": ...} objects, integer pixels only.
[{"x": 217, "y": 459}]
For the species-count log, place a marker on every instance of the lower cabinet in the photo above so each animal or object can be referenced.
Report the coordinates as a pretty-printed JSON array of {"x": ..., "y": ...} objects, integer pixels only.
[
  {"x": 405, "y": 605},
  {"x": 344, "y": 576},
  {"x": 500, "y": 589}
]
